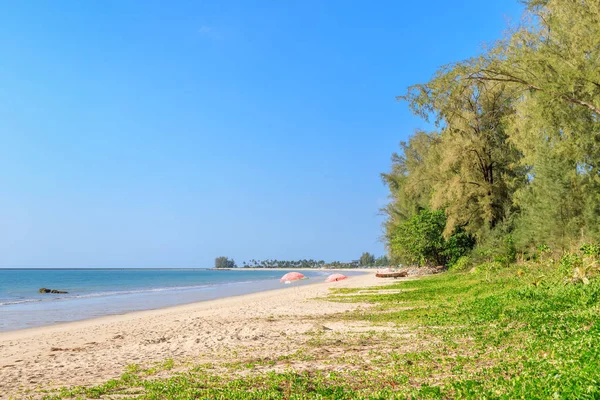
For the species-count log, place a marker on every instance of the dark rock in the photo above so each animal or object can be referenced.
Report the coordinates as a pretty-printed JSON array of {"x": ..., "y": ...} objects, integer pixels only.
[{"x": 54, "y": 291}]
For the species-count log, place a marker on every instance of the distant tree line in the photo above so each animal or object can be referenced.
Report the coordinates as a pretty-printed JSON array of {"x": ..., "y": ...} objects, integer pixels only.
[
  {"x": 369, "y": 260},
  {"x": 272, "y": 263},
  {"x": 513, "y": 163},
  {"x": 366, "y": 260}
]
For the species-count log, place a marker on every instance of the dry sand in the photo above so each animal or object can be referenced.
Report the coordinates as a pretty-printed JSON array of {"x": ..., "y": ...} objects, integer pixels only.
[{"x": 87, "y": 352}]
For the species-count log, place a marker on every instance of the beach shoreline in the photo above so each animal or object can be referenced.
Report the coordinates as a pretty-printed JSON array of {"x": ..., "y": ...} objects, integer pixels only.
[
  {"x": 94, "y": 350},
  {"x": 166, "y": 309},
  {"x": 92, "y": 294}
]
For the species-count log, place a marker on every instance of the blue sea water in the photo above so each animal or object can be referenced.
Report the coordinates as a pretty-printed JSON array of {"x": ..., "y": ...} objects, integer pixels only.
[{"x": 99, "y": 292}]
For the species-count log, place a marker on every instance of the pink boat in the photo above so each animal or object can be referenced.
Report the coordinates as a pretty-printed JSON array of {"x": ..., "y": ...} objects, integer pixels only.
[{"x": 335, "y": 278}]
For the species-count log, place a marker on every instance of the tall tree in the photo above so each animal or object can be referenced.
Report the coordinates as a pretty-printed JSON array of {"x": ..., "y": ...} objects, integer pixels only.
[
  {"x": 555, "y": 54},
  {"x": 477, "y": 169},
  {"x": 518, "y": 142},
  {"x": 552, "y": 204},
  {"x": 553, "y": 60},
  {"x": 410, "y": 180}
]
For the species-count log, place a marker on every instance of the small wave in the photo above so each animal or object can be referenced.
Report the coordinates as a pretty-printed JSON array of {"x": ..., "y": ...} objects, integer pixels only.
[
  {"x": 11, "y": 302},
  {"x": 136, "y": 291}
]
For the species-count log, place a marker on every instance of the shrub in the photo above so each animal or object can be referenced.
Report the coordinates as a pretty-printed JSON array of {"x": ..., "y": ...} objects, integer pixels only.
[
  {"x": 464, "y": 263},
  {"x": 591, "y": 250},
  {"x": 457, "y": 246},
  {"x": 507, "y": 254},
  {"x": 579, "y": 267},
  {"x": 420, "y": 240}
]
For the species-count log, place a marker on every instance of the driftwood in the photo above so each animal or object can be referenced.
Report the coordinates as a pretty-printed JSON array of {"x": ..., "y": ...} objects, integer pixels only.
[{"x": 400, "y": 274}]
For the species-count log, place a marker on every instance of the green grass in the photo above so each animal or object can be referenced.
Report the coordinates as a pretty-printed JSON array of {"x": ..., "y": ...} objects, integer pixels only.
[{"x": 503, "y": 334}]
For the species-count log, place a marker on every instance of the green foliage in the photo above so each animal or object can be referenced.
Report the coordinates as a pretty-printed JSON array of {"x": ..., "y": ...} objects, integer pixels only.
[
  {"x": 510, "y": 249},
  {"x": 591, "y": 250},
  {"x": 224, "y": 262},
  {"x": 464, "y": 263},
  {"x": 581, "y": 266},
  {"x": 409, "y": 180},
  {"x": 457, "y": 245},
  {"x": 476, "y": 170},
  {"x": 568, "y": 264},
  {"x": 420, "y": 240},
  {"x": 552, "y": 204},
  {"x": 506, "y": 253},
  {"x": 517, "y": 148}
]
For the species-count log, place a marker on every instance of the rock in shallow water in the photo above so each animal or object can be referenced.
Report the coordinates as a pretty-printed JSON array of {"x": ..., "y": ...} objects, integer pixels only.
[{"x": 53, "y": 291}]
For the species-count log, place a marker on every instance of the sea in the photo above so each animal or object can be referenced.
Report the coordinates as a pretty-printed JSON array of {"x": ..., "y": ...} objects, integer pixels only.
[{"x": 100, "y": 292}]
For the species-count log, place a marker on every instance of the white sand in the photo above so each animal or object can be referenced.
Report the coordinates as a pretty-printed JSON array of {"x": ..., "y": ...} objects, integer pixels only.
[{"x": 95, "y": 350}]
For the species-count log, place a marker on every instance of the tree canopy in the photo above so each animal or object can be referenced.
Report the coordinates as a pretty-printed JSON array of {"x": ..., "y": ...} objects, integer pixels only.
[
  {"x": 515, "y": 154},
  {"x": 224, "y": 262}
]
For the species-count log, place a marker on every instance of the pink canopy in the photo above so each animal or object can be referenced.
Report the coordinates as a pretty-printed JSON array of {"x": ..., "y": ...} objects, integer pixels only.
[
  {"x": 335, "y": 278},
  {"x": 291, "y": 276}
]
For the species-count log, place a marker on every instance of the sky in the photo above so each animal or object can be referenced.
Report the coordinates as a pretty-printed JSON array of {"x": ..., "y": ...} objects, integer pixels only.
[{"x": 164, "y": 134}]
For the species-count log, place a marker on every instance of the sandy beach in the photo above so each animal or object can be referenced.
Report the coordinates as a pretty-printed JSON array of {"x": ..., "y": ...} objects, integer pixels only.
[{"x": 92, "y": 351}]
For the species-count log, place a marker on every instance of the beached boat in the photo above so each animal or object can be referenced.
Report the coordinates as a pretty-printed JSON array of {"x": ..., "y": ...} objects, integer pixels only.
[{"x": 400, "y": 274}]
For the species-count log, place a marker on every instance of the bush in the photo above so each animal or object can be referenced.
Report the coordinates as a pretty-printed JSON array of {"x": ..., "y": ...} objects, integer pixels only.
[
  {"x": 497, "y": 248},
  {"x": 507, "y": 254},
  {"x": 591, "y": 250},
  {"x": 420, "y": 240},
  {"x": 580, "y": 267},
  {"x": 491, "y": 267},
  {"x": 568, "y": 263},
  {"x": 457, "y": 246},
  {"x": 464, "y": 263}
]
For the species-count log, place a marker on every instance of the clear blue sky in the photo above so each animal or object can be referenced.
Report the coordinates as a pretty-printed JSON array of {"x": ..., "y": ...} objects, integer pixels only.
[{"x": 163, "y": 134}]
